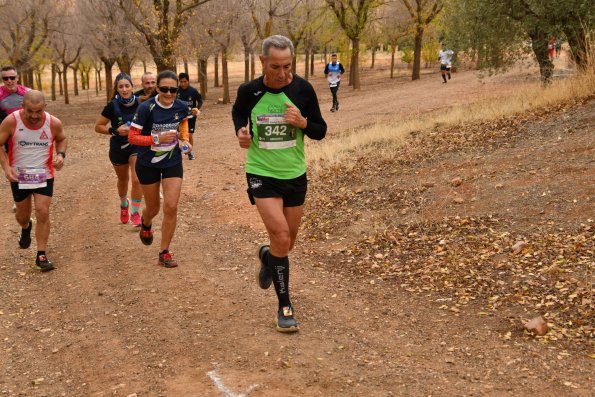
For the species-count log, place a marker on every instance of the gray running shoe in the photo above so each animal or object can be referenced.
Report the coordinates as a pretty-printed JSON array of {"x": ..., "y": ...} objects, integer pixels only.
[
  {"x": 263, "y": 275},
  {"x": 285, "y": 321}
]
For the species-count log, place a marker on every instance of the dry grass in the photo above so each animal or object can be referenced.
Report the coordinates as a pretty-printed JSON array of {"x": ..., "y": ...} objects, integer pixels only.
[{"x": 381, "y": 139}]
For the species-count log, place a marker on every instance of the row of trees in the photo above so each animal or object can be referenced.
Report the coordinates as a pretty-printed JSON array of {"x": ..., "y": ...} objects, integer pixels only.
[{"x": 82, "y": 36}]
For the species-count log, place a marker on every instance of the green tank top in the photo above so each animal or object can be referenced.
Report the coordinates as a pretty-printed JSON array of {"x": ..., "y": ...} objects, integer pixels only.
[{"x": 277, "y": 148}]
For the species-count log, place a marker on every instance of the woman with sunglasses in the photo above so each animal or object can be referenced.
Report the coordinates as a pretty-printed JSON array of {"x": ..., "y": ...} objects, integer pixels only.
[
  {"x": 160, "y": 130},
  {"x": 119, "y": 113}
]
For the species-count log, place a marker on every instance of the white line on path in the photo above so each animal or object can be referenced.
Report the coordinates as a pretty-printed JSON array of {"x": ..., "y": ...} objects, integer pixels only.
[{"x": 226, "y": 392}]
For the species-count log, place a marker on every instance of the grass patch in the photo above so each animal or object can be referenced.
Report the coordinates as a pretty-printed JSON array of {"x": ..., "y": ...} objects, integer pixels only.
[{"x": 380, "y": 140}]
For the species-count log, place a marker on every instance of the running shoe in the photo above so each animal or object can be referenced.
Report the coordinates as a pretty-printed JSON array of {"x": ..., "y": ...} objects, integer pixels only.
[
  {"x": 146, "y": 234},
  {"x": 124, "y": 214},
  {"x": 166, "y": 259},
  {"x": 14, "y": 208},
  {"x": 44, "y": 263},
  {"x": 337, "y": 107},
  {"x": 285, "y": 321},
  {"x": 333, "y": 109},
  {"x": 263, "y": 275},
  {"x": 25, "y": 238},
  {"x": 136, "y": 221},
  {"x": 191, "y": 156}
]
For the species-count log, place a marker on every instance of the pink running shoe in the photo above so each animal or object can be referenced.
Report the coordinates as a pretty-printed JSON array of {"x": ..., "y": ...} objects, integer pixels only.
[
  {"x": 124, "y": 214},
  {"x": 136, "y": 219}
]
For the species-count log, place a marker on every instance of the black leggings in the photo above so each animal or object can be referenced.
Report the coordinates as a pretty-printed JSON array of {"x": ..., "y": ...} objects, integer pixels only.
[{"x": 334, "y": 92}]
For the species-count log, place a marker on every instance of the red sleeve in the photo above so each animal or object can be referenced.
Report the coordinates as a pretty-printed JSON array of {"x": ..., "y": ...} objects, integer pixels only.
[{"x": 135, "y": 138}]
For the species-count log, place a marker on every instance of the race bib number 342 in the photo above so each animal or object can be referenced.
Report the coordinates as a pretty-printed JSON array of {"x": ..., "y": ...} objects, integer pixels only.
[{"x": 274, "y": 132}]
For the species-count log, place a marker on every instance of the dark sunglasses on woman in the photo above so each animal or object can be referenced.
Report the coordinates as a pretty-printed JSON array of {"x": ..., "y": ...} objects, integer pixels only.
[{"x": 172, "y": 90}]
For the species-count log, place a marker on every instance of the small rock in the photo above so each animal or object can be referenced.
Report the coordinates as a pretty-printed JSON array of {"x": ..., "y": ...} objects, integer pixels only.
[
  {"x": 499, "y": 186},
  {"x": 518, "y": 247},
  {"x": 456, "y": 181},
  {"x": 538, "y": 326},
  {"x": 458, "y": 200}
]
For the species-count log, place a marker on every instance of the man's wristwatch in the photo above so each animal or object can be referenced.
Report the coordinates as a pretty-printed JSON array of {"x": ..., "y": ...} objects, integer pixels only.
[
  {"x": 155, "y": 138},
  {"x": 62, "y": 154}
]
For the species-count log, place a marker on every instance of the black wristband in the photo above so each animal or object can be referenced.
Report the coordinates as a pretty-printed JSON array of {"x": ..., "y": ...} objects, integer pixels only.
[
  {"x": 113, "y": 131},
  {"x": 62, "y": 154}
]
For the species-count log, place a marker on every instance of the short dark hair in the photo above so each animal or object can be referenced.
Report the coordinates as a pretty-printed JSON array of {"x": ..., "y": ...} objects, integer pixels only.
[
  {"x": 183, "y": 75},
  {"x": 7, "y": 68},
  {"x": 333, "y": 54}
]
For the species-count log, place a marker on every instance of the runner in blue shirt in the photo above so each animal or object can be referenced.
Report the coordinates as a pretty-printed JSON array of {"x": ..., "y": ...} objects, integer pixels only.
[
  {"x": 160, "y": 130},
  {"x": 193, "y": 99},
  {"x": 333, "y": 72}
]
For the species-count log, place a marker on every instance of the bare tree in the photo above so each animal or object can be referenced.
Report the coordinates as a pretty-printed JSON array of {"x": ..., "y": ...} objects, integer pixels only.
[
  {"x": 67, "y": 50},
  {"x": 422, "y": 12},
  {"x": 396, "y": 26},
  {"x": 221, "y": 32},
  {"x": 353, "y": 17},
  {"x": 103, "y": 28},
  {"x": 25, "y": 31},
  {"x": 160, "y": 23}
]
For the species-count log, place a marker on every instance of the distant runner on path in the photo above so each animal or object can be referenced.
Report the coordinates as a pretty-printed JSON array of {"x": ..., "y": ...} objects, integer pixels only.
[
  {"x": 32, "y": 135},
  {"x": 160, "y": 130},
  {"x": 333, "y": 72},
  {"x": 445, "y": 58},
  {"x": 119, "y": 113},
  {"x": 279, "y": 109}
]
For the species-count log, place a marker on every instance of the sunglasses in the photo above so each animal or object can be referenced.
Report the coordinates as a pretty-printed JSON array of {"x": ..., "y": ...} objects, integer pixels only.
[
  {"x": 171, "y": 90},
  {"x": 6, "y": 78}
]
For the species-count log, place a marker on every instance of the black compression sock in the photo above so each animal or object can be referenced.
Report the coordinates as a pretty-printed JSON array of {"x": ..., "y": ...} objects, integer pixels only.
[{"x": 280, "y": 271}]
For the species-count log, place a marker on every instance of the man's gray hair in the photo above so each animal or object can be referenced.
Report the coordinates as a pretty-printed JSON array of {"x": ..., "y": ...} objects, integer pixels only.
[{"x": 278, "y": 41}]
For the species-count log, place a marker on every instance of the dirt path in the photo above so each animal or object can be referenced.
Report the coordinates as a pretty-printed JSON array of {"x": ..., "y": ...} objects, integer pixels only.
[{"x": 109, "y": 322}]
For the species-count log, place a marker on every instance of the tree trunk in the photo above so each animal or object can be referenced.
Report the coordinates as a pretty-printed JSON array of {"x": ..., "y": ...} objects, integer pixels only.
[
  {"x": 539, "y": 42},
  {"x": 417, "y": 44},
  {"x": 373, "y": 57},
  {"x": 107, "y": 64},
  {"x": 307, "y": 65},
  {"x": 225, "y": 75},
  {"x": 579, "y": 46},
  {"x": 124, "y": 63},
  {"x": 252, "y": 65},
  {"x": 97, "y": 81},
  {"x": 204, "y": 81},
  {"x": 216, "y": 65},
  {"x": 392, "y": 61},
  {"x": 75, "y": 79},
  {"x": 355, "y": 64},
  {"x": 65, "y": 77},
  {"x": 38, "y": 79},
  {"x": 312, "y": 54},
  {"x": 60, "y": 81},
  {"x": 53, "y": 89},
  {"x": 246, "y": 63},
  {"x": 144, "y": 66}
]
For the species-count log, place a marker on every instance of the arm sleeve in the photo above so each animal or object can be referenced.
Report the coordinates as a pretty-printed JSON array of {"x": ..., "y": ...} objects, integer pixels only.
[
  {"x": 316, "y": 127},
  {"x": 184, "y": 131},
  {"x": 240, "y": 111},
  {"x": 136, "y": 128},
  {"x": 341, "y": 68},
  {"x": 326, "y": 69}
]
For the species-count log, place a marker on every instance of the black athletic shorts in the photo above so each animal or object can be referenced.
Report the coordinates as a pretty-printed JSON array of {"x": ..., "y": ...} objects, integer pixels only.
[
  {"x": 191, "y": 124},
  {"x": 21, "y": 194},
  {"x": 292, "y": 191},
  {"x": 121, "y": 156},
  {"x": 150, "y": 175},
  {"x": 444, "y": 67}
]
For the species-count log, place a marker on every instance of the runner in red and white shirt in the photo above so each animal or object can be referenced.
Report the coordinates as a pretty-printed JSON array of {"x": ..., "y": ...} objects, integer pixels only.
[{"x": 32, "y": 135}]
